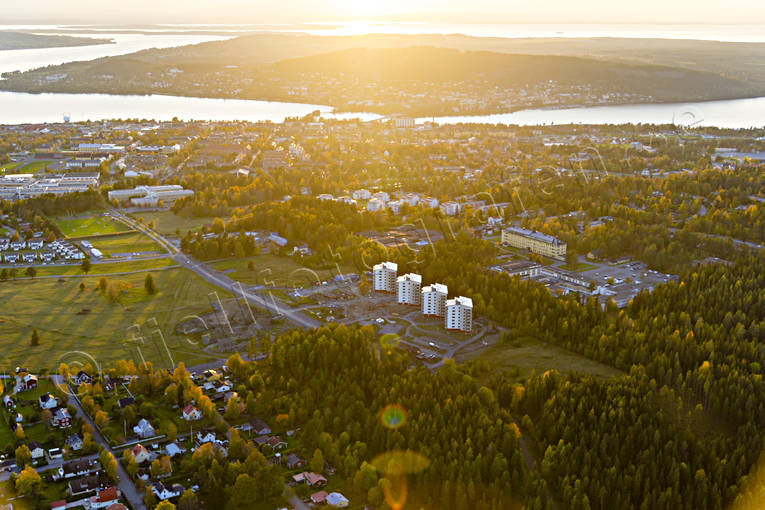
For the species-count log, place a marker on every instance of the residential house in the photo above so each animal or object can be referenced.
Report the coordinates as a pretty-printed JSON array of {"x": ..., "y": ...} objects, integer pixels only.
[
  {"x": 259, "y": 427},
  {"x": 36, "y": 450},
  {"x": 162, "y": 492},
  {"x": 61, "y": 418},
  {"x": 140, "y": 454},
  {"x": 78, "y": 467},
  {"x": 173, "y": 449},
  {"x": 74, "y": 442},
  {"x": 294, "y": 462},
  {"x": 83, "y": 485},
  {"x": 144, "y": 429},
  {"x": 47, "y": 401},
  {"x": 191, "y": 413},
  {"x": 81, "y": 378},
  {"x": 55, "y": 454},
  {"x": 277, "y": 443},
  {"x": 103, "y": 499},
  {"x": 314, "y": 479},
  {"x": 319, "y": 498},
  {"x": 337, "y": 500},
  {"x": 126, "y": 401},
  {"x": 205, "y": 436},
  {"x": 26, "y": 382}
]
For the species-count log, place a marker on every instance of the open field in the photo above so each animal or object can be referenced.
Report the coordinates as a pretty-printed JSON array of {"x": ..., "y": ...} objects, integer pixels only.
[
  {"x": 271, "y": 270},
  {"x": 70, "y": 320},
  {"x": 167, "y": 222},
  {"x": 528, "y": 356},
  {"x": 134, "y": 242},
  {"x": 33, "y": 167},
  {"x": 105, "y": 268},
  {"x": 88, "y": 226}
]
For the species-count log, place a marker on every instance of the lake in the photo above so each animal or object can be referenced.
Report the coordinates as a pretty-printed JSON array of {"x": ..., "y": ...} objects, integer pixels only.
[{"x": 21, "y": 108}]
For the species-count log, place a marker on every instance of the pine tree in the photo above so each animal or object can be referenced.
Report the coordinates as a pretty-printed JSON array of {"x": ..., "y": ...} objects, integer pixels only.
[{"x": 35, "y": 340}]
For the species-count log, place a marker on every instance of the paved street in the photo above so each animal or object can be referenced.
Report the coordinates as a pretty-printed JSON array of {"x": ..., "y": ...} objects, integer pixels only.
[{"x": 125, "y": 484}]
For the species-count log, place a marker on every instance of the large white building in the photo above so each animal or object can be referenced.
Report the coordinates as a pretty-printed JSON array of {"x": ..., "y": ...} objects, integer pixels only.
[
  {"x": 459, "y": 314},
  {"x": 384, "y": 277},
  {"x": 434, "y": 300},
  {"x": 409, "y": 289},
  {"x": 150, "y": 195}
]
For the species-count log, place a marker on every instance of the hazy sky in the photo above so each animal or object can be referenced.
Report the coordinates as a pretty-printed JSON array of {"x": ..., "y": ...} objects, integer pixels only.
[{"x": 453, "y": 11}]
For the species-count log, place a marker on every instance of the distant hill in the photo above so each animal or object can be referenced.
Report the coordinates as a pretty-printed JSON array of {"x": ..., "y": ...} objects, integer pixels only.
[
  {"x": 421, "y": 75},
  {"x": 401, "y": 65},
  {"x": 23, "y": 41}
]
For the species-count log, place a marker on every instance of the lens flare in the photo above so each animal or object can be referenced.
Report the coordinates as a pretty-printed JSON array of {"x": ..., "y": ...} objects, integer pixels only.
[
  {"x": 393, "y": 416},
  {"x": 390, "y": 340}
]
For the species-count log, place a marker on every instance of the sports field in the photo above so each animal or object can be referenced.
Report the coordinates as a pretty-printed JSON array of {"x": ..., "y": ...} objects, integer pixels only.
[{"x": 83, "y": 226}]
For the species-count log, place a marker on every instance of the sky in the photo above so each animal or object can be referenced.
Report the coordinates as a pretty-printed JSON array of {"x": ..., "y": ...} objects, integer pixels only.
[{"x": 440, "y": 11}]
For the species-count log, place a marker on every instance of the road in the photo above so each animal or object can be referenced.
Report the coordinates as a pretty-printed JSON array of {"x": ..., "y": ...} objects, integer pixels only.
[
  {"x": 125, "y": 484},
  {"x": 220, "y": 280}
]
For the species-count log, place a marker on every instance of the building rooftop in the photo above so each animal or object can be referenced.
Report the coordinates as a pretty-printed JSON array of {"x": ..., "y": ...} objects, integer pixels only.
[
  {"x": 387, "y": 265},
  {"x": 539, "y": 236},
  {"x": 410, "y": 277},
  {"x": 436, "y": 287}
]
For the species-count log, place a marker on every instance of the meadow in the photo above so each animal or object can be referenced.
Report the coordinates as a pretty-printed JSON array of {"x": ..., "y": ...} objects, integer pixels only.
[
  {"x": 71, "y": 321},
  {"x": 272, "y": 270}
]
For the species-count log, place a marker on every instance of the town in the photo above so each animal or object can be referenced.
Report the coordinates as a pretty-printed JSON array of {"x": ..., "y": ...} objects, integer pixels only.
[{"x": 171, "y": 283}]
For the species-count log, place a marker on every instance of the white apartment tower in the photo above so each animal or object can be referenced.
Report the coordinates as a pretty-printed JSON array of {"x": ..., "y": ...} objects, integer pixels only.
[
  {"x": 409, "y": 289},
  {"x": 459, "y": 314},
  {"x": 434, "y": 300},
  {"x": 384, "y": 276}
]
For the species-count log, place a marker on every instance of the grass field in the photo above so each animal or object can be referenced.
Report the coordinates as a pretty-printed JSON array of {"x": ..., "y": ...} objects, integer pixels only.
[
  {"x": 106, "y": 332},
  {"x": 9, "y": 167},
  {"x": 88, "y": 226},
  {"x": 272, "y": 270},
  {"x": 167, "y": 222},
  {"x": 105, "y": 268},
  {"x": 578, "y": 267},
  {"x": 527, "y": 356},
  {"x": 134, "y": 242},
  {"x": 34, "y": 167}
]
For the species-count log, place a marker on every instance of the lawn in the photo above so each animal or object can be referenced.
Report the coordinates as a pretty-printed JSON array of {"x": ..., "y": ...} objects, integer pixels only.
[
  {"x": 274, "y": 271},
  {"x": 135, "y": 242},
  {"x": 77, "y": 326},
  {"x": 167, "y": 222},
  {"x": 88, "y": 226},
  {"x": 527, "y": 356},
  {"x": 9, "y": 166},
  {"x": 578, "y": 267}
]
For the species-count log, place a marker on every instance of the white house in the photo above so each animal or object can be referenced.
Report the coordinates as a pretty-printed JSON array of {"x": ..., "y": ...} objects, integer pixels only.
[
  {"x": 384, "y": 277},
  {"x": 140, "y": 454},
  {"x": 434, "y": 300},
  {"x": 144, "y": 429},
  {"x": 337, "y": 500},
  {"x": 162, "y": 492},
  {"x": 47, "y": 401},
  {"x": 408, "y": 289},
  {"x": 191, "y": 413},
  {"x": 36, "y": 450}
]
